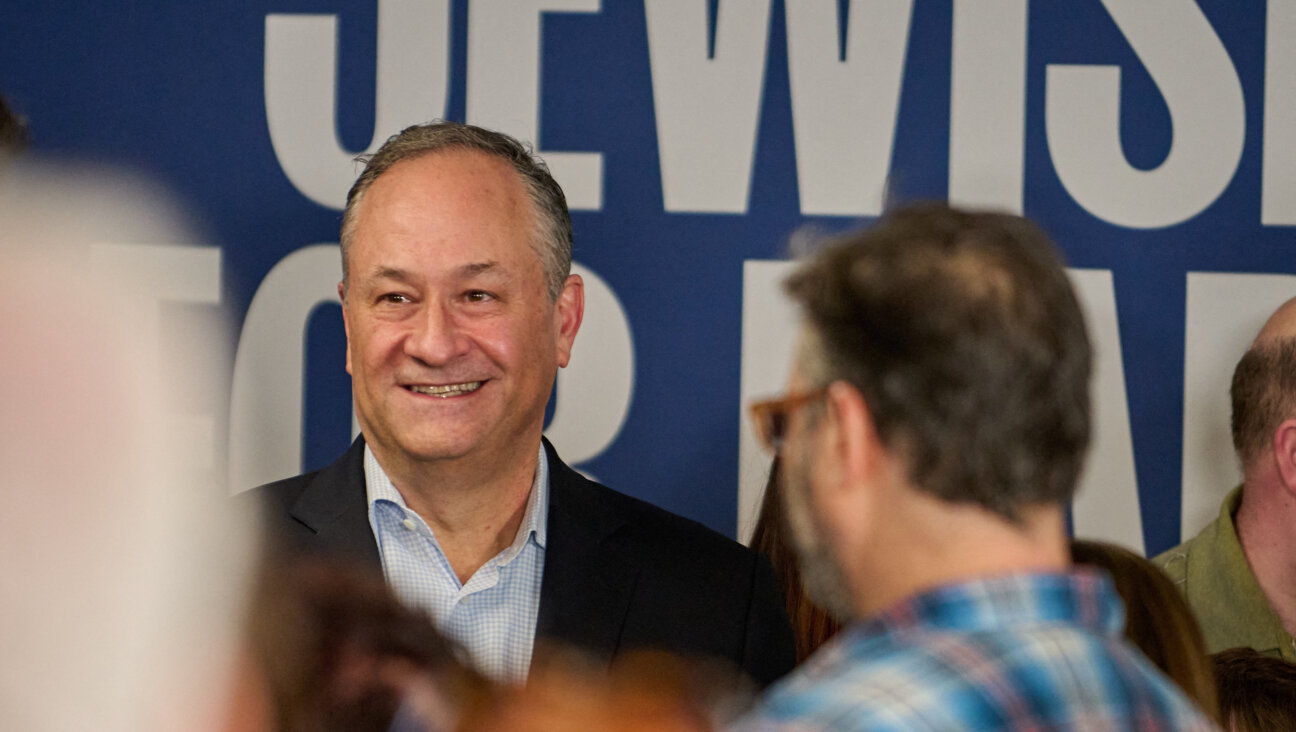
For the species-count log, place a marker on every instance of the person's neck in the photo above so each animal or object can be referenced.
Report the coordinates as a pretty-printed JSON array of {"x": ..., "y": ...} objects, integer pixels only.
[
  {"x": 956, "y": 543},
  {"x": 474, "y": 505},
  {"x": 1263, "y": 523}
]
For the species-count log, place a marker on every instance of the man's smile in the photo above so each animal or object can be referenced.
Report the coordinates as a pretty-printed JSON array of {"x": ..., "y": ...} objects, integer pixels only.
[{"x": 444, "y": 391}]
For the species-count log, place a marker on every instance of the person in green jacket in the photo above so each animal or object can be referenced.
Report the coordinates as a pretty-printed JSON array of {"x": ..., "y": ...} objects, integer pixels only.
[{"x": 1239, "y": 572}]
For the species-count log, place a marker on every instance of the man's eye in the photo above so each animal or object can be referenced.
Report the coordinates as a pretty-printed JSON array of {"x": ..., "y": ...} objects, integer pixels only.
[
  {"x": 478, "y": 296},
  {"x": 394, "y": 297}
]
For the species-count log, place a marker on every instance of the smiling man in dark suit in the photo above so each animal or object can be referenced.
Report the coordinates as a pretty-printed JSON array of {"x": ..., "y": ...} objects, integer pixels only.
[{"x": 459, "y": 308}]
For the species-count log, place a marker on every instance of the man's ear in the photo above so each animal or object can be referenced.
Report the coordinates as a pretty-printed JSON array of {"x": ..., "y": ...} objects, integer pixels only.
[
  {"x": 855, "y": 436},
  {"x": 851, "y": 496},
  {"x": 346, "y": 322},
  {"x": 568, "y": 313},
  {"x": 1284, "y": 447}
]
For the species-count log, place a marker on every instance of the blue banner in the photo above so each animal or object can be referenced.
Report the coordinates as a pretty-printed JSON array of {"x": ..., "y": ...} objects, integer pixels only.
[{"x": 1154, "y": 139}]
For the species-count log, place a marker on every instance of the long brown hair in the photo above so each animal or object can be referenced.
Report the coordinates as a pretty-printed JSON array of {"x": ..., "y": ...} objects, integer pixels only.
[
  {"x": 811, "y": 624},
  {"x": 1158, "y": 620}
]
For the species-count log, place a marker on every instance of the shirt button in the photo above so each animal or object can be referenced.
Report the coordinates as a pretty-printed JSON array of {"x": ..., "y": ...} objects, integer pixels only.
[{"x": 409, "y": 524}]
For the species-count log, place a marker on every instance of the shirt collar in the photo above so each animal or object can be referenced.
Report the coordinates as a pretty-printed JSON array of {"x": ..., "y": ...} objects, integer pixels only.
[
  {"x": 379, "y": 489},
  {"x": 1082, "y": 596},
  {"x": 1223, "y": 591}
]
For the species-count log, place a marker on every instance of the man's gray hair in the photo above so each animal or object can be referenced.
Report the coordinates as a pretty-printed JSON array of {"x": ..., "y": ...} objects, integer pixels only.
[{"x": 552, "y": 238}]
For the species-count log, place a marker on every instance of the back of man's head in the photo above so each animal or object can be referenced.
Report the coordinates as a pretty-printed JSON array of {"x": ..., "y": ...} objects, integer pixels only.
[
  {"x": 1264, "y": 387},
  {"x": 963, "y": 335}
]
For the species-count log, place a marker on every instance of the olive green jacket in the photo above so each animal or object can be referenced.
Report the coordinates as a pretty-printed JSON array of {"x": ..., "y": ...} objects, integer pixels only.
[{"x": 1212, "y": 572}]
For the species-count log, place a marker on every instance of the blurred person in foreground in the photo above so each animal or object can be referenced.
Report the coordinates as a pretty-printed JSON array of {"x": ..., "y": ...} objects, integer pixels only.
[
  {"x": 460, "y": 307},
  {"x": 340, "y": 652},
  {"x": 1158, "y": 620},
  {"x": 811, "y": 624},
  {"x": 125, "y": 569},
  {"x": 1239, "y": 572},
  {"x": 932, "y": 432},
  {"x": 642, "y": 691},
  {"x": 1257, "y": 693},
  {"x": 13, "y": 132}
]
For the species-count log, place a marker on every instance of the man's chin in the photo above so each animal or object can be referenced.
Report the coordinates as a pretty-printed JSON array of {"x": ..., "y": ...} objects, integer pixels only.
[
  {"x": 440, "y": 452},
  {"x": 425, "y": 448},
  {"x": 824, "y": 582}
]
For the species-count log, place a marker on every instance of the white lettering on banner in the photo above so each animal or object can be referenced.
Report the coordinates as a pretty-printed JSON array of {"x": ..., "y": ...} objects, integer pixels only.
[
  {"x": 504, "y": 86},
  {"x": 988, "y": 104},
  {"x": 770, "y": 326},
  {"x": 594, "y": 391},
  {"x": 148, "y": 276},
  {"x": 266, "y": 394},
  {"x": 707, "y": 108},
  {"x": 1106, "y": 505},
  {"x": 1192, "y": 69},
  {"x": 301, "y": 88},
  {"x": 1278, "y": 194},
  {"x": 1223, "y": 314},
  {"x": 844, "y": 111}
]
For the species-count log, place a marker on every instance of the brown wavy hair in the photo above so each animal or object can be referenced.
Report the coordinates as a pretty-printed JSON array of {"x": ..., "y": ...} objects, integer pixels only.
[{"x": 1256, "y": 692}]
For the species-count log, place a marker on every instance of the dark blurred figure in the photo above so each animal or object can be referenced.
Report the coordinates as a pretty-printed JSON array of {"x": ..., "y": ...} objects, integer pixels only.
[
  {"x": 1157, "y": 618},
  {"x": 1257, "y": 693},
  {"x": 340, "y": 652},
  {"x": 811, "y": 624},
  {"x": 13, "y": 131}
]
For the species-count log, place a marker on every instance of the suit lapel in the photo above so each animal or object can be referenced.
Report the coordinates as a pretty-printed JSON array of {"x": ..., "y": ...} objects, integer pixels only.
[
  {"x": 589, "y": 571},
  {"x": 590, "y": 567},
  {"x": 334, "y": 506}
]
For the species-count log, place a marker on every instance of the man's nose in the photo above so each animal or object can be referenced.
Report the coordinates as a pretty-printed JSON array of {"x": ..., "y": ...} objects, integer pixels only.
[{"x": 436, "y": 338}]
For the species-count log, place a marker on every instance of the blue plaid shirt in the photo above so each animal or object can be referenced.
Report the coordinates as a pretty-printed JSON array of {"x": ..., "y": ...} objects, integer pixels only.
[
  {"x": 493, "y": 614},
  {"x": 1034, "y": 652}
]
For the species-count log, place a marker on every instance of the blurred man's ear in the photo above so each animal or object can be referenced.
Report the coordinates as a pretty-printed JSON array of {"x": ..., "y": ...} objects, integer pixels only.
[{"x": 857, "y": 447}]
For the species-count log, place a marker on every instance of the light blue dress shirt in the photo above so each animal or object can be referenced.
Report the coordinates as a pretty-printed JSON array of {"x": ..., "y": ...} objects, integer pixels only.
[{"x": 493, "y": 614}]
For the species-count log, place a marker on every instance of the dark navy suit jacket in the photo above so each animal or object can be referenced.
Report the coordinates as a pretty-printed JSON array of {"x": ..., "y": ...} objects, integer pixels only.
[{"x": 619, "y": 574}]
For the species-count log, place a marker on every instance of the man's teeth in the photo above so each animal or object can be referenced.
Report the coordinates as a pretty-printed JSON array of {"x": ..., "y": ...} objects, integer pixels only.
[{"x": 448, "y": 390}]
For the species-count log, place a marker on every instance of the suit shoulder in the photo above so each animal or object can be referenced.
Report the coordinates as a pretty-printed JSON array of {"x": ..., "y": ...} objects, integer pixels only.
[
  {"x": 671, "y": 533},
  {"x": 279, "y": 495}
]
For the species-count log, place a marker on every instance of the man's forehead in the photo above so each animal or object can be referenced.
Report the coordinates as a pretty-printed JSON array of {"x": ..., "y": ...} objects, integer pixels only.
[
  {"x": 447, "y": 198},
  {"x": 464, "y": 167},
  {"x": 450, "y": 173}
]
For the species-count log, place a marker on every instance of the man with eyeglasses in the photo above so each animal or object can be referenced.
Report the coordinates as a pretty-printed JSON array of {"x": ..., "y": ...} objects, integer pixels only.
[{"x": 934, "y": 427}]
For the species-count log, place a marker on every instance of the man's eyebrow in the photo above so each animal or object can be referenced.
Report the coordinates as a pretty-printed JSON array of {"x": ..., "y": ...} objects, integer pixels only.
[
  {"x": 390, "y": 273},
  {"x": 476, "y": 268}
]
